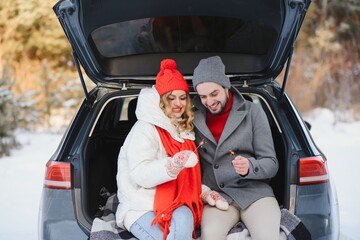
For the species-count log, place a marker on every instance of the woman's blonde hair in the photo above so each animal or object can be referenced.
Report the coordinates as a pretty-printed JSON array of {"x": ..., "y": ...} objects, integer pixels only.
[{"x": 186, "y": 121}]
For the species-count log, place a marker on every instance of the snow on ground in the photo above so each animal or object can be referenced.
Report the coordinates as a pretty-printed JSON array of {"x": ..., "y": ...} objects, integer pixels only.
[
  {"x": 21, "y": 175},
  {"x": 21, "y": 180},
  {"x": 340, "y": 142}
]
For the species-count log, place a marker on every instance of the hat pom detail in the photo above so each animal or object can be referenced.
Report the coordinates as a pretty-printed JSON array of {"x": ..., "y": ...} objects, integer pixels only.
[
  {"x": 169, "y": 78},
  {"x": 167, "y": 64}
]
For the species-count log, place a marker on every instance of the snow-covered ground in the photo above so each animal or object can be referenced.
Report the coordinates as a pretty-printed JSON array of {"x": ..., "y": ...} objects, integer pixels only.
[
  {"x": 340, "y": 142},
  {"x": 21, "y": 176}
]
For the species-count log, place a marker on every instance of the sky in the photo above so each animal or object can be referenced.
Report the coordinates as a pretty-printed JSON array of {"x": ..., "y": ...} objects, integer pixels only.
[{"x": 22, "y": 174}]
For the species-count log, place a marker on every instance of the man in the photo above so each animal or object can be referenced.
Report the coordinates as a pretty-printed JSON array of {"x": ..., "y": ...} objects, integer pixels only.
[{"x": 237, "y": 159}]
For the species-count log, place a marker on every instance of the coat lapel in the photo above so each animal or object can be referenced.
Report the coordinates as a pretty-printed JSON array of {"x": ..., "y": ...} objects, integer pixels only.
[
  {"x": 234, "y": 120},
  {"x": 200, "y": 124},
  {"x": 200, "y": 120},
  {"x": 236, "y": 116}
]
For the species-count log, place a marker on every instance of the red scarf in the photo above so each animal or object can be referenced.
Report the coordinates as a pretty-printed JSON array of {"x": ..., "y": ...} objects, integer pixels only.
[
  {"x": 216, "y": 123},
  {"x": 184, "y": 190}
]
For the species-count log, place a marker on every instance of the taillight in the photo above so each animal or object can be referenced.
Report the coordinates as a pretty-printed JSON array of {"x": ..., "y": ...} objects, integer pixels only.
[
  {"x": 312, "y": 170},
  {"x": 58, "y": 175}
]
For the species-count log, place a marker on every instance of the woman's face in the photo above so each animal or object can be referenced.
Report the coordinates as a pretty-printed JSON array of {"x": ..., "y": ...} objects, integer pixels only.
[{"x": 177, "y": 103}]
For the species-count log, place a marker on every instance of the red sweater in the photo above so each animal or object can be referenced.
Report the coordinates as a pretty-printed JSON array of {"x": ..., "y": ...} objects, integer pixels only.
[{"x": 216, "y": 123}]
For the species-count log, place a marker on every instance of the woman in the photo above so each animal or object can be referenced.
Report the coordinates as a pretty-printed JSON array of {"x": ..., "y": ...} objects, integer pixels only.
[{"x": 159, "y": 183}]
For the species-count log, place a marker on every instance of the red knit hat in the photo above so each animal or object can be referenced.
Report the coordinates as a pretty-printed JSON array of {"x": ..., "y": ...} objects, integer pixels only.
[{"x": 169, "y": 78}]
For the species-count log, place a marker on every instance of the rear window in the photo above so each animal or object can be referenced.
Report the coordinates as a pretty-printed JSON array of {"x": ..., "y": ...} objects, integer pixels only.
[{"x": 184, "y": 34}]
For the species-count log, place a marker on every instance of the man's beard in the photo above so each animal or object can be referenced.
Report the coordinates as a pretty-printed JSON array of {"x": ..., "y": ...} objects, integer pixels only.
[{"x": 220, "y": 109}]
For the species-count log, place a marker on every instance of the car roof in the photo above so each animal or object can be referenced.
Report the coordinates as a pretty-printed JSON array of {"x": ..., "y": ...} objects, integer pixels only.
[{"x": 127, "y": 39}]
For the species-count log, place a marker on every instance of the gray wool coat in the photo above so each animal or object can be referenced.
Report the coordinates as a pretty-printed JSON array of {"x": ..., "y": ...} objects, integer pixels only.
[{"x": 246, "y": 133}]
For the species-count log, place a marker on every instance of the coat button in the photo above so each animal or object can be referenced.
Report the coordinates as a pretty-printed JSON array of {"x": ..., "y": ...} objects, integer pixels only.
[
  {"x": 216, "y": 166},
  {"x": 221, "y": 185},
  {"x": 256, "y": 169}
]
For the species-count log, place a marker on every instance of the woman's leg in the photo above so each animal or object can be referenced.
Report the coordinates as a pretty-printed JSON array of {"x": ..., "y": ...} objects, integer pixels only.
[
  {"x": 216, "y": 223},
  {"x": 142, "y": 228},
  {"x": 262, "y": 218},
  {"x": 181, "y": 226}
]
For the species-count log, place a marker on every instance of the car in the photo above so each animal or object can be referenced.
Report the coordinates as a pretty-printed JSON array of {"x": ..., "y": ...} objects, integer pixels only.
[{"x": 119, "y": 44}]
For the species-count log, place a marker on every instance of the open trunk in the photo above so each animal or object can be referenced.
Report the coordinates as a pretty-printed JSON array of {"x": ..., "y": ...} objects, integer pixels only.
[{"x": 115, "y": 118}]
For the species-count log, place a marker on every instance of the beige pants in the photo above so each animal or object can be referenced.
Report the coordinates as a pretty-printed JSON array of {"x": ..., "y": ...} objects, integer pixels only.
[{"x": 262, "y": 218}]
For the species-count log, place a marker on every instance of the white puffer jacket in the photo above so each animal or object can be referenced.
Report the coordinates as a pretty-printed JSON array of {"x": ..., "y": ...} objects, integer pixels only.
[{"x": 142, "y": 159}]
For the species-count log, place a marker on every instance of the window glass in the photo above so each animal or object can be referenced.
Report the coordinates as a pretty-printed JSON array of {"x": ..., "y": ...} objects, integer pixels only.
[{"x": 184, "y": 34}]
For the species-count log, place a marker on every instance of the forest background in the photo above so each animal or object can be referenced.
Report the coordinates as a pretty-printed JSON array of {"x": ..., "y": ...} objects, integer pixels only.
[{"x": 39, "y": 83}]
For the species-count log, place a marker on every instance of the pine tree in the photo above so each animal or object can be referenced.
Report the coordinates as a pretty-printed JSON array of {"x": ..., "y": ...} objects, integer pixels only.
[{"x": 8, "y": 121}]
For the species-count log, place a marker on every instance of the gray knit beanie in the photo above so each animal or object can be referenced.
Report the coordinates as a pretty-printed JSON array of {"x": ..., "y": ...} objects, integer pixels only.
[{"x": 211, "y": 69}]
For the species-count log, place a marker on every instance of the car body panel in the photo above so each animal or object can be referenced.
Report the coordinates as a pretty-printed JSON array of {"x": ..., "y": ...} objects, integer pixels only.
[
  {"x": 108, "y": 39},
  {"x": 116, "y": 39},
  {"x": 91, "y": 140},
  {"x": 58, "y": 218}
]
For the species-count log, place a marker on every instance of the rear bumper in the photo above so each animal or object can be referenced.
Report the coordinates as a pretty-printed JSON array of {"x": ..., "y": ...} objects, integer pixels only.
[
  {"x": 318, "y": 208},
  {"x": 57, "y": 217}
]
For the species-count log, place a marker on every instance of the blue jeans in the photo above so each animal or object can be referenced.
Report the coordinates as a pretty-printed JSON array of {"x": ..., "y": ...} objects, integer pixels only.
[{"x": 181, "y": 226}]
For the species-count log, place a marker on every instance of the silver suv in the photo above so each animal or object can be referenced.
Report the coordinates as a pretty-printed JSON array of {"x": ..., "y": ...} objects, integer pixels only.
[{"x": 119, "y": 44}]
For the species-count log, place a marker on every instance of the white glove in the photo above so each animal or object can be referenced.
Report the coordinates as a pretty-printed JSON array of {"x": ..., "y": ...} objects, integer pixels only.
[
  {"x": 181, "y": 160},
  {"x": 213, "y": 198}
]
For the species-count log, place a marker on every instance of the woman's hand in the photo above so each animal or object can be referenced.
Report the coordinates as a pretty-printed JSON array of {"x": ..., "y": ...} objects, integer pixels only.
[
  {"x": 213, "y": 198},
  {"x": 181, "y": 160}
]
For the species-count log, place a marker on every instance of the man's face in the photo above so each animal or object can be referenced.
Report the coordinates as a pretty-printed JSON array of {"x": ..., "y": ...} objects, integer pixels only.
[{"x": 213, "y": 96}]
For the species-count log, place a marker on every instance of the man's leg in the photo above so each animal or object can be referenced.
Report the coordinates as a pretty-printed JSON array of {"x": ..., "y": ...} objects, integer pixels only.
[
  {"x": 262, "y": 218},
  {"x": 216, "y": 223}
]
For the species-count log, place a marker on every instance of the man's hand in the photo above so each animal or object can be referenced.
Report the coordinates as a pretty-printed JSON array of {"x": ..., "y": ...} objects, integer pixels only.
[
  {"x": 241, "y": 165},
  {"x": 181, "y": 160},
  {"x": 213, "y": 198}
]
